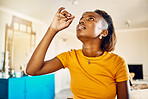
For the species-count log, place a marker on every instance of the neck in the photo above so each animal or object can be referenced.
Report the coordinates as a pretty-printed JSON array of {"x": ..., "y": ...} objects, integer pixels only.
[{"x": 92, "y": 48}]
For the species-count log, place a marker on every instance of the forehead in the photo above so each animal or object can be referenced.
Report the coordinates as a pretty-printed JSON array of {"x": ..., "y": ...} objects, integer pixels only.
[{"x": 87, "y": 14}]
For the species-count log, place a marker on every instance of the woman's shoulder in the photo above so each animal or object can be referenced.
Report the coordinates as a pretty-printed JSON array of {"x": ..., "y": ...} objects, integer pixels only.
[
  {"x": 75, "y": 50},
  {"x": 71, "y": 52},
  {"x": 115, "y": 56}
]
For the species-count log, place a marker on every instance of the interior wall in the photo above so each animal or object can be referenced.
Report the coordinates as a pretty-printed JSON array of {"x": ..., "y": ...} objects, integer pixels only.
[
  {"x": 21, "y": 51},
  {"x": 132, "y": 46},
  {"x": 4, "y": 19}
]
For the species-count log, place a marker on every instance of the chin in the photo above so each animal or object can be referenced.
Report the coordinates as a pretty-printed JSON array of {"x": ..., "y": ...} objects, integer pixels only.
[
  {"x": 80, "y": 35},
  {"x": 83, "y": 37}
]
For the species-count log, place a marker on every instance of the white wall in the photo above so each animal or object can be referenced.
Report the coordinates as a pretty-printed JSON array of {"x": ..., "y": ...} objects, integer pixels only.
[
  {"x": 132, "y": 45},
  {"x": 6, "y": 18}
]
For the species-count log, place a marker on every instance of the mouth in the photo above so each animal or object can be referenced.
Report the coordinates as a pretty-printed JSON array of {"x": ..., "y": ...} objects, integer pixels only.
[{"x": 81, "y": 27}]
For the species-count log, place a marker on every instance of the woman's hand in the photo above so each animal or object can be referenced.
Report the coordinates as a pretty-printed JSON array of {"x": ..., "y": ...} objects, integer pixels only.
[{"x": 61, "y": 20}]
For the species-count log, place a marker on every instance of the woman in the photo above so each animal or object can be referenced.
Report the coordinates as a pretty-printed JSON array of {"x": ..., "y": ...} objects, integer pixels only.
[{"x": 96, "y": 73}]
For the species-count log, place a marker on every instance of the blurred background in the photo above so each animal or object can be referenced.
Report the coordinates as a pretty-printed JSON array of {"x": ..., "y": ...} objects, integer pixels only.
[{"x": 23, "y": 23}]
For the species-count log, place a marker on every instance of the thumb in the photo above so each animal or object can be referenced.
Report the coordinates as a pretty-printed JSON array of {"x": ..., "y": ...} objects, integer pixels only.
[{"x": 70, "y": 21}]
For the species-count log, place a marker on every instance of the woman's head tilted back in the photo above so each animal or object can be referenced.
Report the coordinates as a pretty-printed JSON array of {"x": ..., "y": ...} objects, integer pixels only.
[
  {"x": 109, "y": 42},
  {"x": 95, "y": 25}
]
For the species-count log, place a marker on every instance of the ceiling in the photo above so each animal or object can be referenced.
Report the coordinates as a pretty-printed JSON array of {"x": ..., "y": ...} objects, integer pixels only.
[{"x": 133, "y": 12}]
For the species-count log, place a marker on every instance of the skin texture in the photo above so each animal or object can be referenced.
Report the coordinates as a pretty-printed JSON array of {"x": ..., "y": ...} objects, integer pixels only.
[{"x": 89, "y": 29}]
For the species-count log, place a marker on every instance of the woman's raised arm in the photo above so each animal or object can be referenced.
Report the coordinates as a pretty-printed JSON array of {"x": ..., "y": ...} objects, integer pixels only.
[{"x": 36, "y": 64}]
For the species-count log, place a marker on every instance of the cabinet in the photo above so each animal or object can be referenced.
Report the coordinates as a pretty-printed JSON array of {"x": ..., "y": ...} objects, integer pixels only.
[
  {"x": 33, "y": 87},
  {"x": 3, "y": 89}
]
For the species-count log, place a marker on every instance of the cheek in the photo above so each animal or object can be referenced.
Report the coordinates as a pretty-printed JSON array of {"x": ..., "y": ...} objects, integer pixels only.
[
  {"x": 98, "y": 29},
  {"x": 92, "y": 27},
  {"x": 93, "y": 30}
]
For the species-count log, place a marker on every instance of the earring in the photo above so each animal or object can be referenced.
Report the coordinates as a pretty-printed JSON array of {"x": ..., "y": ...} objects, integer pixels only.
[{"x": 100, "y": 37}]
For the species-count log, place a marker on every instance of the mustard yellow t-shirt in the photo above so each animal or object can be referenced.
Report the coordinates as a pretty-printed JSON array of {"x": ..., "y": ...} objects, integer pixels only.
[{"x": 94, "y": 77}]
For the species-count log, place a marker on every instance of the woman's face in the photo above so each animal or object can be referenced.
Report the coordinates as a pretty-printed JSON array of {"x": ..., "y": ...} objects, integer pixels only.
[{"x": 90, "y": 25}]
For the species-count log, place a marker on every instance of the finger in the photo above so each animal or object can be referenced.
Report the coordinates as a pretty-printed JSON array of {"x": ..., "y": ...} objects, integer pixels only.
[
  {"x": 73, "y": 16},
  {"x": 61, "y": 16},
  {"x": 69, "y": 21},
  {"x": 68, "y": 18},
  {"x": 60, "y": 9},
  {"x": 64, "y": 13}
]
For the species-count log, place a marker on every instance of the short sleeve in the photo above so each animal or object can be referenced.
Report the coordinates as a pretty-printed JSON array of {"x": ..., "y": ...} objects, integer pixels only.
[
  {"x": 63, "y": 57},
  {"x": 121, "y": 70}
]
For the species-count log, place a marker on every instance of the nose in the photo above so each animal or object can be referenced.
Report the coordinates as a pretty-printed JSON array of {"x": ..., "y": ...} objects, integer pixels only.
[{"x": 81, "y": 22}]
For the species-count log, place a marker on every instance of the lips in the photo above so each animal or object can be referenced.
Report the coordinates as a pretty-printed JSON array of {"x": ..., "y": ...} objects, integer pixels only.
[{"x": 81, "y": 27}]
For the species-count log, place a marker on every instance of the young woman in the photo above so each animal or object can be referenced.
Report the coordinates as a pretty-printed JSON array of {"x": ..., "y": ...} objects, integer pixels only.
[{"x": 96, "y": 73}]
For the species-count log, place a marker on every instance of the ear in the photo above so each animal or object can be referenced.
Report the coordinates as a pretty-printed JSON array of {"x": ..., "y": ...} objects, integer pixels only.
[{"x": 104, "y": 33}]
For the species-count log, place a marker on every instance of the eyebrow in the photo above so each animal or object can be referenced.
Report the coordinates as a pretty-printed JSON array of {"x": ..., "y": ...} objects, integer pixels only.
[
  {"x": 91, "y": 16},
  {"x": 88, "y": 16}
]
